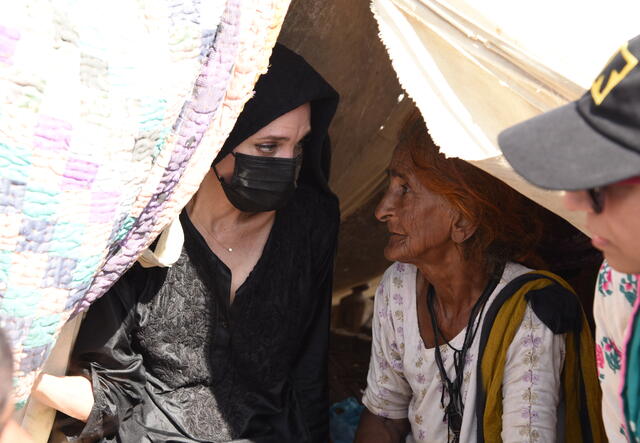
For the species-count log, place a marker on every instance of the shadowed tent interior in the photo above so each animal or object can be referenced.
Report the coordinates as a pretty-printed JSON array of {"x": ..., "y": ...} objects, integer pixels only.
[{"x": 340, "y": 39}]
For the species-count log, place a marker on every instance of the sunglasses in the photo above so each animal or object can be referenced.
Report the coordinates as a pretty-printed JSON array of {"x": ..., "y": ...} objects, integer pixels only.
[{"x": 597, "y": 195}]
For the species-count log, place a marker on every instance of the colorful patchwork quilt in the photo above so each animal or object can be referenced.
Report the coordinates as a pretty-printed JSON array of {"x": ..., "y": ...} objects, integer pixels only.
[{"x": 110, "y": 115}]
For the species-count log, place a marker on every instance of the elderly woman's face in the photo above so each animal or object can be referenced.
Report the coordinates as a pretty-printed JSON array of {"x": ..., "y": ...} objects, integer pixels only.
[{"x": 419, "y": 221}]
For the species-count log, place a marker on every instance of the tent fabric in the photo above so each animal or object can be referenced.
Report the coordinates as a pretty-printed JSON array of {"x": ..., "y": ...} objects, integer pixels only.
[
  {"x": 98, "y": 151},
  {"x": 168, "y": 247},
  {"x": 475, "y": 68}
]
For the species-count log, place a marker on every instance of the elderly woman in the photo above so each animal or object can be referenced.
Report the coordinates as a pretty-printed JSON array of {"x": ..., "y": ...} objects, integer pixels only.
[{"x": 467, "y": 344}]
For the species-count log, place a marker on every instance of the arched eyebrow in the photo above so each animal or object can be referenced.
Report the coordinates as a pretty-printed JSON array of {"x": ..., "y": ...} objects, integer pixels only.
[
  {"x": 394, "y": 173},
  {"x": 282, "y": 138},
  {"x": 274, "y": 138}
]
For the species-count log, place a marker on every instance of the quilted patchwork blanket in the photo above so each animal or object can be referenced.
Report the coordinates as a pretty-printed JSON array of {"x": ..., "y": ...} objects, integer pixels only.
[{"x": 110, "y": 115}]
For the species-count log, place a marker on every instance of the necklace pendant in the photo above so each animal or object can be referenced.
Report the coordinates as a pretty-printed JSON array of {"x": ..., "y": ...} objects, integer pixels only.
[{"x": 230, "y": 249}]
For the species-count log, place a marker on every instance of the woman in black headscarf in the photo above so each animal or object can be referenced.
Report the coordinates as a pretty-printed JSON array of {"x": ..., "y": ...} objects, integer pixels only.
[{"x": 230, "y": 342}]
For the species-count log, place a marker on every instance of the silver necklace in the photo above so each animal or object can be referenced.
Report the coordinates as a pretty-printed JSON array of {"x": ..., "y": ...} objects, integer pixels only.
[{"x": 215, "y": 238}]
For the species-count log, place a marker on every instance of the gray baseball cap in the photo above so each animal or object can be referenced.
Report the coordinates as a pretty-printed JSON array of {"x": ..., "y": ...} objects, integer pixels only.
[{"x": 591, "y": 142}]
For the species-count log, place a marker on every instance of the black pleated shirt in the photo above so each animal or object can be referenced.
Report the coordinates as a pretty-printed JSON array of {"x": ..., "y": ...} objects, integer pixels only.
[{"x": 171, "y": 359}]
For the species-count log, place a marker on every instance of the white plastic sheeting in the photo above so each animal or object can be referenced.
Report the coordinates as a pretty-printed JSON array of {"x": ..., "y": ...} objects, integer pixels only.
[{"x": 475, "y": 68}]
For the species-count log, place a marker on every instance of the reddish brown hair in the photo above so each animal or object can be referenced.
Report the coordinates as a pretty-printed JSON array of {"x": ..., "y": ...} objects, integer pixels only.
[{"x": 507, "y": 224}]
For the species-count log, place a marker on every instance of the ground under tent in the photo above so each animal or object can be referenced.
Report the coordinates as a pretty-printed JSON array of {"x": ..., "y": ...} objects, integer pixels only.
[{"x": 340, "y": 39}]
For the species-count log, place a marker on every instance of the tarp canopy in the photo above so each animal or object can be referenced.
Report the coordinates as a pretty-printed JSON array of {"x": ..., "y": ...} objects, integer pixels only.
[{"x": 475, "y": 68}]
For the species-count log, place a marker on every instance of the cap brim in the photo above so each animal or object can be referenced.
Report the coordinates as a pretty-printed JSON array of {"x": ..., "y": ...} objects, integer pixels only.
[{"x": 559, "y": 150}]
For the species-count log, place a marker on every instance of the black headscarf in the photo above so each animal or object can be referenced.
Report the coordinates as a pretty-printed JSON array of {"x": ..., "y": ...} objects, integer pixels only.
[{"x": 290, "y": 82}]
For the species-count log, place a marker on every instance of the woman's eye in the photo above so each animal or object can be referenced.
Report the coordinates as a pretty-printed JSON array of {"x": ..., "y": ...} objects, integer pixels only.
[
  {"x": 404, "y": 188},
  {"x": 267, "y": 148}
]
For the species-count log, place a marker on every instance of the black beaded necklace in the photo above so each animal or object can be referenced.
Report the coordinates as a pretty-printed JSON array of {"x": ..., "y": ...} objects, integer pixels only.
[{"x": 454, "y": 410}]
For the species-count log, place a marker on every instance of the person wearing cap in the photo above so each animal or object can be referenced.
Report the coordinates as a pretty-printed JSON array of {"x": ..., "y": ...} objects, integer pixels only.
[
  {"x": 591, "y": 149},
  {"x": 231, "y": 342}
]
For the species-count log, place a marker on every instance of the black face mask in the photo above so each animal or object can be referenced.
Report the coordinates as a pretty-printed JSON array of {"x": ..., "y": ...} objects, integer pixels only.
[{"x": 261, "y": 184}]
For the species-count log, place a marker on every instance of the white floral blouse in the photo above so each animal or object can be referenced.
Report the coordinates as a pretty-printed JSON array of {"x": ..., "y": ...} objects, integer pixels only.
[
  {"x": 404, "y": 382},
  {"x": 612, "y": 308}
]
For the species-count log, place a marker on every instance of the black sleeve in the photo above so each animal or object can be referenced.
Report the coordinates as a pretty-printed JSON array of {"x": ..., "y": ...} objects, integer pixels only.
[
  {"x": 103, "y": 353},
  {"x": 310, "y": 374}
]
